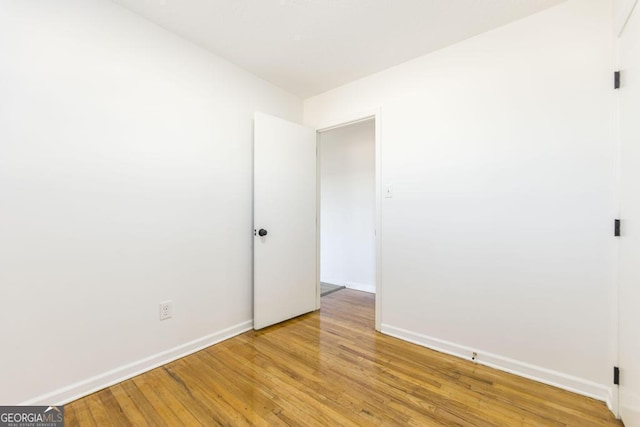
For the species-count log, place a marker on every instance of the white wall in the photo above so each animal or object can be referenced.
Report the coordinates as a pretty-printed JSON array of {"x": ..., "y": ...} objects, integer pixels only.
[
  {"x": 498, "y": 238},
  {"x": 125, "y": 180},
  {"x": 347, "y": 206}
]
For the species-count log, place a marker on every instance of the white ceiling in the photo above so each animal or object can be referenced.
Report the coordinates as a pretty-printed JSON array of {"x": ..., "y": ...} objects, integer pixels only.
[{"x": 310, "y": 46}]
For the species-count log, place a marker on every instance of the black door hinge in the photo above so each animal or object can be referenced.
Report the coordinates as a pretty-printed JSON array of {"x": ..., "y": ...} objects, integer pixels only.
[
  {"x": 616, "y": 375},
  {"x": 616, "y": 79},
  {"x": 616, "y": 228}
]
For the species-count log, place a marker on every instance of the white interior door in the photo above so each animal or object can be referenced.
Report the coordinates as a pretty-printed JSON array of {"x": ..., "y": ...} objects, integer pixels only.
[
  {"x": 629, "y": 289},
  {"x": 284, "y": 218}
]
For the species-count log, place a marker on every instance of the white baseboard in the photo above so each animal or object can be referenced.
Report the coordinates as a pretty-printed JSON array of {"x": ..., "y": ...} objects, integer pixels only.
[
  {"x": 83, "y": 388},
  {"x": 526, "y": 370},
  {"x": 361, "y": 287},
  {"x": 612, "y": 403}
]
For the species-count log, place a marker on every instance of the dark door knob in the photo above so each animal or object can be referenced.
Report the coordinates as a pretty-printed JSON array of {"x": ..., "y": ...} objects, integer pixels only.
[{"x": 262, "y": 232}]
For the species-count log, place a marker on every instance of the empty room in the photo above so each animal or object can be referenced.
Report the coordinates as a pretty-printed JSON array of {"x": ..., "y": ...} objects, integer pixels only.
[{"x": 319, "y": 212}]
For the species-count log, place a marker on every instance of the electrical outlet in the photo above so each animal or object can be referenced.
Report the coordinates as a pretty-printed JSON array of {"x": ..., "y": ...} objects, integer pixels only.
[{"x": 166, "y": 310}]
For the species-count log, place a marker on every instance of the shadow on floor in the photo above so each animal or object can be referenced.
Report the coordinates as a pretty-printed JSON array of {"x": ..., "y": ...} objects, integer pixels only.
[{"x": 328, "y": 288}]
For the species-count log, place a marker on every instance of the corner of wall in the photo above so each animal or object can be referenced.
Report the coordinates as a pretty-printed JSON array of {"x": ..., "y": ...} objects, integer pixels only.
[
  {"x": 536, "y": 373},
  {"x": 91, "y": 385}
]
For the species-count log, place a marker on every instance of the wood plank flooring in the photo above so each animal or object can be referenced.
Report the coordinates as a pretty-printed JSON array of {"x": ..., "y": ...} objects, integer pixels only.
[{"x": 330, "y": 368}]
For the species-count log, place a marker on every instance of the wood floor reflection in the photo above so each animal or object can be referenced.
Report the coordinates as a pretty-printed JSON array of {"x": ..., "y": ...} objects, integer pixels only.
[{"x": 330, "y": 368}]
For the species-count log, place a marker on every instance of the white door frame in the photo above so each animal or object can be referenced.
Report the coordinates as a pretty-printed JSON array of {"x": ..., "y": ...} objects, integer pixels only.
[{"x": 345, "y": 121}]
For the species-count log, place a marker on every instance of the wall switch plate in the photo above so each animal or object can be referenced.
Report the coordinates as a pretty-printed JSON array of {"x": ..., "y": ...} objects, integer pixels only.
[
  {"x": 166, "y": 310},
  {"x": 388, "y": 191}
]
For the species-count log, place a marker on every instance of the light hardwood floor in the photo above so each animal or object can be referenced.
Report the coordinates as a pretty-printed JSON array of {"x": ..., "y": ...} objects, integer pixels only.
[{"x": 330, "y": 368}]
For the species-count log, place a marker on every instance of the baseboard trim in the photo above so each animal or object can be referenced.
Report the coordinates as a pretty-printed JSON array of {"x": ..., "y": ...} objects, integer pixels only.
[
  {"x": 612, "y": 401},
  {"x": 361, "y": 287},
  {"x": 547, "y": 376},
  {"x": 83, "y": 388}
]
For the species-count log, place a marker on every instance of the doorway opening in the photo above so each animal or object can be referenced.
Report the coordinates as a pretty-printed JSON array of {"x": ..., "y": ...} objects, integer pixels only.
[{"x": 348, "y": 204}]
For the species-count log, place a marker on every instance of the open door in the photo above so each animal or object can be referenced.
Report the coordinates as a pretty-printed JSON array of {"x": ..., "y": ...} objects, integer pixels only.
[
  {"x": 629, "y": 286},
  {"x": 284, "y": 218}
]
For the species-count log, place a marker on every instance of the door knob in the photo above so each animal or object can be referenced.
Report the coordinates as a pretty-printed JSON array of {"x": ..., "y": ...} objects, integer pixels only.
[{"x": 262, "y": 232}]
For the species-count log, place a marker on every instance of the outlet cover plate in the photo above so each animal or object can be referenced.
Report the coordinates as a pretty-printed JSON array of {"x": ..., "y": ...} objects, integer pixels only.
[{"x": 166, "y": 310}]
